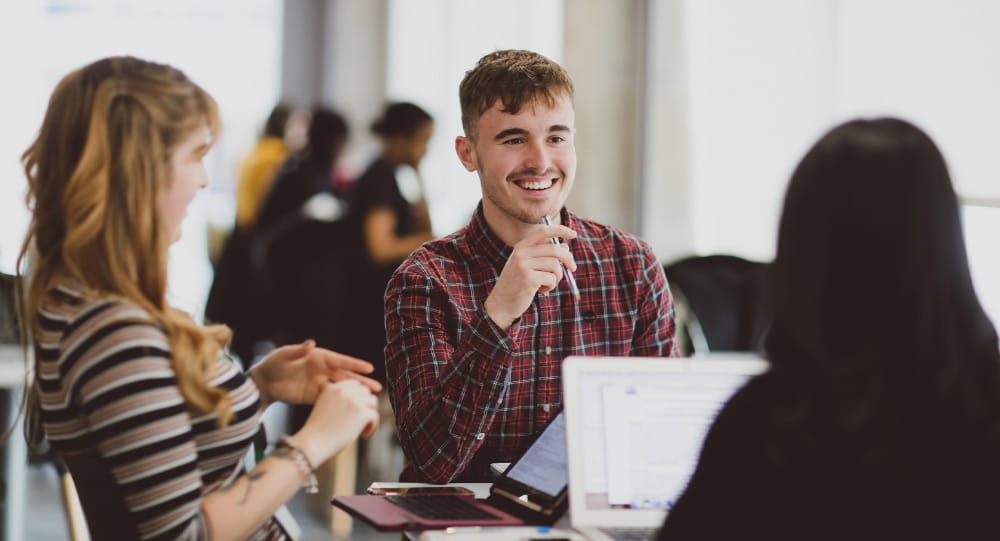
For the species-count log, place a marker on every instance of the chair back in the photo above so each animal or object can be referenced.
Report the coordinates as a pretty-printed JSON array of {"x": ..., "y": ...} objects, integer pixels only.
[
  {"x": 9, "y": 333},
  {"x": 721, "y": 302}
]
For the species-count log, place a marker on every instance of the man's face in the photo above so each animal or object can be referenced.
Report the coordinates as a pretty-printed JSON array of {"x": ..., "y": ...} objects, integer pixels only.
[{"x": 526, "y": 162}]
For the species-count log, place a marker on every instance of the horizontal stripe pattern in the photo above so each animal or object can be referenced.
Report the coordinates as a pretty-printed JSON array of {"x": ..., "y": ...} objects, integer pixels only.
[{"x": 107, "y": 385}]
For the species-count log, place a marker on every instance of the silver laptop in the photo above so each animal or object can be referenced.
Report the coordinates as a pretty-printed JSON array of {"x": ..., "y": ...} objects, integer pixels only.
[{"x": 634, "y": 429}]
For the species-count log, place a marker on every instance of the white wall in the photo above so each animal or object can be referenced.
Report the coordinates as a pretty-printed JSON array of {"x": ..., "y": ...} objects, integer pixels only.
[
  {"x": 747, "y": 87},
  {"x": 230, "y": 47}
]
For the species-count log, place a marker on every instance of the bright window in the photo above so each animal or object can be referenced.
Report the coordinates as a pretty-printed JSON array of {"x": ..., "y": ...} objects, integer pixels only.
[
  {"x": 230, "y": 47},
  {"x": 982, "y": 225}
]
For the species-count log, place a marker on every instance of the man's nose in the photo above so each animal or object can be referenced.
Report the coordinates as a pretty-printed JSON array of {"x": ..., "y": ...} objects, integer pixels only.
[{"x": 537, "y": 157}]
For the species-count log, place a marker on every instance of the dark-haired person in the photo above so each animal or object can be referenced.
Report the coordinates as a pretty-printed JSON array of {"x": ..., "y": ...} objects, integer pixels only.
[
  {"x": 307, "y": 173},
  {"x": 880, "y": 415},
  {"x": 139, "y": 400},
  {"x": 240, "y": 297},
  {"x": 390, "y": 219},
  {"x": 479, "y": 322}
]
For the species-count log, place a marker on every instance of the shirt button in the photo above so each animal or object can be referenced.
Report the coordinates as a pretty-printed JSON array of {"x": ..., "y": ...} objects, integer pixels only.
[
  {"x": 480, "y": 436},
  {"x": 548, "y": 350},
  {"x": 546, "y": 407}
]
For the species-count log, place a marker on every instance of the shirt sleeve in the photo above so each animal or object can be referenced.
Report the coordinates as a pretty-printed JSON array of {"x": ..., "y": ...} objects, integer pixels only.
[
  {"x": 656, "y": 328},
  {"x": 444, "y": 391},
  {"x": 129, "y": 397}
]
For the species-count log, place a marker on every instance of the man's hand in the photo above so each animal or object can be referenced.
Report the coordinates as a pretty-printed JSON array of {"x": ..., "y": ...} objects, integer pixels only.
[
  {"x": 297, "y": 374},
  {"x": 534, "y": 266}
]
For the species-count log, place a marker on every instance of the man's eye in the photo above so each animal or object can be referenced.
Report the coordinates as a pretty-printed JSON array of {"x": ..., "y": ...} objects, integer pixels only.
[
  {"x": 557, "y": 139},
  {"x": 514, "y": 141}
]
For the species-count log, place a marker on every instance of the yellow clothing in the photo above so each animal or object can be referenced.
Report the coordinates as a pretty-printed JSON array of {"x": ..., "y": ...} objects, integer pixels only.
[{"x": 257, "y": 172}]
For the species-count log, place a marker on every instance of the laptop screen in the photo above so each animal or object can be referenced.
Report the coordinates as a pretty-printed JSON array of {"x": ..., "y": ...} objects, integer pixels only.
[{"x": 639, "y": 426}]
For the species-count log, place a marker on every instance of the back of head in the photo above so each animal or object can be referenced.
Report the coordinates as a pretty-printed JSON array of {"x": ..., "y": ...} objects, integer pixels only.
[
  {"x": 514, "y": 77},
  {"x": 400, "y": 119},
  {"x": 277, "y": 120},
  {"x": 326, "y": 136},
  {"x": 872, "y": 290}
]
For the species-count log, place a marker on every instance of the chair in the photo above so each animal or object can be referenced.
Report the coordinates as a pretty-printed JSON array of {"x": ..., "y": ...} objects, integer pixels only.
[{"x": 720, "y": 302}]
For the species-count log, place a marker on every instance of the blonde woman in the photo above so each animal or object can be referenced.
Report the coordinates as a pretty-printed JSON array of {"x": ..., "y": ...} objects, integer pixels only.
[{"x": 150, "y": 415}]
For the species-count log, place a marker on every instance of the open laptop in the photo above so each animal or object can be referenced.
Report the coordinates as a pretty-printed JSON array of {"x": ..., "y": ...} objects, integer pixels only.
[
  {"x": 532, "y": 490},
  {"x": 634, "y": 430}
]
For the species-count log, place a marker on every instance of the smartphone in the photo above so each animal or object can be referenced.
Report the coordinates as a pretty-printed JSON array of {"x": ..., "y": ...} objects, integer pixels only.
[{"x": 420, "y": 491}]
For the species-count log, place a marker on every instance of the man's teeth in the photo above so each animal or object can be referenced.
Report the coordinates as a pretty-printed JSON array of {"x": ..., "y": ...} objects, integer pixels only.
[{"x": 536, "y": 185}]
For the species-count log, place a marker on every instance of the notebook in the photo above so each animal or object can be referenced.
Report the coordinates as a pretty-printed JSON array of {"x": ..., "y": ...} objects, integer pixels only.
[
  {"x": 532, "y": 490},
  {"x": 634, "y": 429}
]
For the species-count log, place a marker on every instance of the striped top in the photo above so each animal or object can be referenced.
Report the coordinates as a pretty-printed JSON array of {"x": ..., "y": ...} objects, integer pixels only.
[{"x": 107, "y": 389}]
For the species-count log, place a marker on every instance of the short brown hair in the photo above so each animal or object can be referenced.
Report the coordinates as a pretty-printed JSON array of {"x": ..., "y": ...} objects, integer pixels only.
[{"x": 513, "y": 76}]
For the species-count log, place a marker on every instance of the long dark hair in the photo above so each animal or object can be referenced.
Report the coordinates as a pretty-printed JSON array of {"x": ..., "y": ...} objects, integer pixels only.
[{"x": 876, "y": 324}]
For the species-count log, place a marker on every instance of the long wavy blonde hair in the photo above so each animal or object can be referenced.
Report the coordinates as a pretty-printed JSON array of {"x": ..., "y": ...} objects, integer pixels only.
[{"x": 97, "y": 176}]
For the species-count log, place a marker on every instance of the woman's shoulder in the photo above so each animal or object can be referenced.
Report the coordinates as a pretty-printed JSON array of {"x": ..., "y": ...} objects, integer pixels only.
[{"x": 83, "y": 314}]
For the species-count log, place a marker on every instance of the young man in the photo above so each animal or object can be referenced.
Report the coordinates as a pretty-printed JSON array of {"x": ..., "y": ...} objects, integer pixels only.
[{"x": 478, "y": 322}]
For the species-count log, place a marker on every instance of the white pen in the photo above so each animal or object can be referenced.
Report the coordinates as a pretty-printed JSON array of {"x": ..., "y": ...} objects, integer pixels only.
[{"x": 569, "y": 275}]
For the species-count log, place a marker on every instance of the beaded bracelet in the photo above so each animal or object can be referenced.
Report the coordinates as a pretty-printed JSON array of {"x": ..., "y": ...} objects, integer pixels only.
[{"x": 301, "y": 461}]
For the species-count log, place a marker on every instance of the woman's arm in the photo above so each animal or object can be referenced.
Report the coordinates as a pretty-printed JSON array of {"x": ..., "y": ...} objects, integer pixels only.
[
  {"x": 341, "y": 412},
  {"x": 384, "y": 246}
]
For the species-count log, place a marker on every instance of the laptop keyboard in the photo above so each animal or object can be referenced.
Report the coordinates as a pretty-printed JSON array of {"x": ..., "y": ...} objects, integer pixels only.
[
  {"x": 630, "y": 534},
  {"x": 441, "y": 507}
]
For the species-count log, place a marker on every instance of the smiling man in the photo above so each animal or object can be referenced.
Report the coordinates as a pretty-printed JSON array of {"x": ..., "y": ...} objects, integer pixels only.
[{"x": 479, "y": 322}]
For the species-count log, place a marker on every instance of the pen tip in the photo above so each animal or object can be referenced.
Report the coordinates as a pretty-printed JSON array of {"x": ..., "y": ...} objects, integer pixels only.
[{"x": 576, "y": 296}]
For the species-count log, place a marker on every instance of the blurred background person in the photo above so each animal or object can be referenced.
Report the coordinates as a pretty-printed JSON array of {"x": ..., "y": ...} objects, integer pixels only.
[
  {"x": 880, "y": 415},
  {"x": 310, "y": 172},
  {"x": 242, "y": 294},
  {"x": 231, "y": 262},
  {"x": 261, "y": 165},
  {"x": 389, "y": 215}
]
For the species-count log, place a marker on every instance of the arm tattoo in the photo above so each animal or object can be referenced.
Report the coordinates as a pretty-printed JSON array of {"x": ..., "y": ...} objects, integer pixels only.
[{"x": 251, "y": 477}]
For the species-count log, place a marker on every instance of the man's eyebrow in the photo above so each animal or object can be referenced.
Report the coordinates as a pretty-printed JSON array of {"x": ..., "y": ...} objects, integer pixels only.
[
  {"x": 521, "y": 131},
  {"x": 508, "y": 132}
]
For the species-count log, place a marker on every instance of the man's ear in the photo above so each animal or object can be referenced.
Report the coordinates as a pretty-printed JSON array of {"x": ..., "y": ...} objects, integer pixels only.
[{"x": 466, "y": 153}]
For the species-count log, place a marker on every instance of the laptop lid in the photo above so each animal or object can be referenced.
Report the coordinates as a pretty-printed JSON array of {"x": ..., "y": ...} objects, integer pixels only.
[{"x": 634, "y": 429}]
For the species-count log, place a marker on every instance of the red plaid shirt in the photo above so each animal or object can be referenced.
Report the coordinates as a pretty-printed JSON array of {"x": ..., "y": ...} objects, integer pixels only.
[{"x": 466, "y": 393}]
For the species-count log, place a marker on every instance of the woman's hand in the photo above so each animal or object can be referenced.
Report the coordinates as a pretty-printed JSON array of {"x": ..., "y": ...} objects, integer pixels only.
[
  {"x": 342, "y": 412},
  {"x": 297, "y": 374}
]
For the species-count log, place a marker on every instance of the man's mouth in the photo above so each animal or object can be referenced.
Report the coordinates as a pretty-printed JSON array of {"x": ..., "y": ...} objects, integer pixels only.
[{"x": 536, "y": 185}]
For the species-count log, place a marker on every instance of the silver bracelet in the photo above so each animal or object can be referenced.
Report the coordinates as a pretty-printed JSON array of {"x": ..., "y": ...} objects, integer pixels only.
[{"x": 301, "y": 462}]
